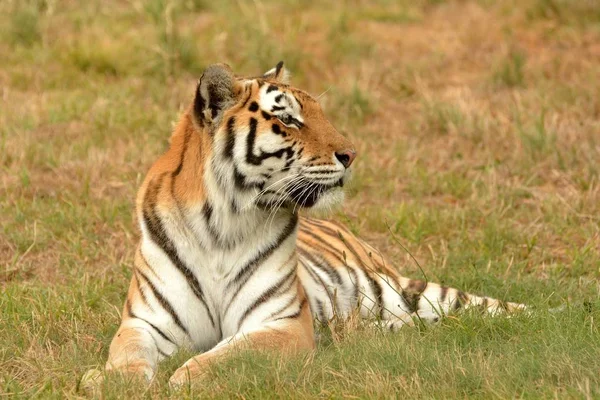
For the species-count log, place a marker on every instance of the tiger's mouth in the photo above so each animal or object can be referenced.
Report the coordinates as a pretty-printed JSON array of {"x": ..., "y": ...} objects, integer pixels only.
[{"x": 309, "y": 193}]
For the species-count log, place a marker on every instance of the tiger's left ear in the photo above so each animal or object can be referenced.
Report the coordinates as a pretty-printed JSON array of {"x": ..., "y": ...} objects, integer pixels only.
[
  {"x": 217, "y": 91},
  {"x": 279, "y": 73}
]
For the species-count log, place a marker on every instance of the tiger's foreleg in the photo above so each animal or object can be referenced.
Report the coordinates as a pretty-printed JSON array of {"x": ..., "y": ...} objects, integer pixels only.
[
  {"x": 133, "y": 351},
  {"x": 286, "y": 335}
]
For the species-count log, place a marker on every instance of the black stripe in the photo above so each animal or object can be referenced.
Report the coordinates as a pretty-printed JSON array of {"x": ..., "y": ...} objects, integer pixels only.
[
  {"x": 417, "y": 285},
  {"x": 266, "y": 115},
  {"x": 354, "y": 281},
  {"x": 320, "y": 311},
  {"x": 265, "y": 296},
  {"x": 207, "y": 212},
  {"x": 246, "y": 272},
  {"x": 247, "y": 89},
  {"x": 216, "y": 98},
  {"x": 253, "y": 106},
  {"x": 380, "y": 266},
  {"x": 338, "y": 235},
  {"x": 375, "y": 286},
  {"x": 271, "y": 88},
  {"x": 186, "y": 140},
  {"x": 411, "y": 301},
  {"x": 164, "y": 303},
  {"x": 288, "y": 164},
  {"x": 161, "y": 333},
  {"x": 129, "y": 309},
  {"x": 234, "y": 206},
  {"x": 339, "y": 257},
  {"x": 484, "y": 305},
  {"x": 296, "y": 314},
  {"x": 278, "y": 68},
  {"x": 412, "y": 294},
  {"x": 148, "y": 265},
  {"x": 199, "y": 105},
  {"x": 298, "y": 123},
  {"x": 326, "y": 245},
  {"x": 139, "y": 288},
  {"x": 159, "y": 237},
  {"x": 277, "y": 108},
  {"x": 240, "y": 181},
  {"x": 249, "y": 268},
  {"x": 278, "y": 98},
  {"x": 250, "y": 157},
  {"x": 443, "y": 293},
  {"x": 253, "y": 159},
  {"x": 316, "y": 277},
  {"x": 309, "y": 270},
  {"x": 333, "y": 275},
  {"x": 333, "y": 232},
  {"x": 162, "y": 353},
  {"x": 282, "y": 309},
  {"x": 460, "y": 301},
  {"x": 230, "y": 144}
]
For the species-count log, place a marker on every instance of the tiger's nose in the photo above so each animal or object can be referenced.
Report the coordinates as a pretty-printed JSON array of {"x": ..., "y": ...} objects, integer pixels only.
[{"x": 346, "y": 157}]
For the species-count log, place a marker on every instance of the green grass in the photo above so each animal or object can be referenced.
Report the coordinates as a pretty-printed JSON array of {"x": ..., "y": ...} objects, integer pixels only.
[
  {"x": 477, "y": 132},
  {"x": 511, "y": 71}
]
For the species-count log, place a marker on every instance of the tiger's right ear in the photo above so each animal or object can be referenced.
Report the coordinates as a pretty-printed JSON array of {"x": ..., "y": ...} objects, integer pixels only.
[
  {"x": 217, "y": 90},
  {"x": 278, "y": 74}
]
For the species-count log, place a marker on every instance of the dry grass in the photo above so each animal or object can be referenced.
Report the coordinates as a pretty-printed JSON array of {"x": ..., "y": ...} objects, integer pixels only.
[{"x": 478, "y": 130}]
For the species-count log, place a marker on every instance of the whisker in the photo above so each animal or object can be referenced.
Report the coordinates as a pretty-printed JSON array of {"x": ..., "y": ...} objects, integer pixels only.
[
  {"x": 326, "y": 90},
  {"x": 262, "y": 192}
]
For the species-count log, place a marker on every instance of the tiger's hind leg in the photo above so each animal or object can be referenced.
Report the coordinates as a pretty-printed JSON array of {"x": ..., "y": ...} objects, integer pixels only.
[{"x": 335, "y": 261}]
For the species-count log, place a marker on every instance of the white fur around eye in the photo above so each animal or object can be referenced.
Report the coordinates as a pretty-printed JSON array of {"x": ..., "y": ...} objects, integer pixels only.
[{"x": 281, "y": 104}]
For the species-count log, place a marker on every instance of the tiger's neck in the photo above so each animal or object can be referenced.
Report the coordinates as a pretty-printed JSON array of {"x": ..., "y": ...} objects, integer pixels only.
[{"x": 216, "y": 203}]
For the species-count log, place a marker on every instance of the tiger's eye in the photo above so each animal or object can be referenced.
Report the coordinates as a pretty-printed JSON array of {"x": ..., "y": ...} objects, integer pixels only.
[{"x": 286, "y": 119}]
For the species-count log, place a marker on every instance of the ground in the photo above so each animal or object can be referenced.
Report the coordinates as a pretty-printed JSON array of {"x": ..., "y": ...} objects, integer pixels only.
[{"x": 477, "y": 125}]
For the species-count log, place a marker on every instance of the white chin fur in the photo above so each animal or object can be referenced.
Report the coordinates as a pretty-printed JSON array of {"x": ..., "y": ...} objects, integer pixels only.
[{"x": 328, "y": 201}]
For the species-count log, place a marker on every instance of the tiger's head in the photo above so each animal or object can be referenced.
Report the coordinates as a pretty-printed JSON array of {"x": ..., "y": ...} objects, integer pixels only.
[{"x": 272, "y": 146}]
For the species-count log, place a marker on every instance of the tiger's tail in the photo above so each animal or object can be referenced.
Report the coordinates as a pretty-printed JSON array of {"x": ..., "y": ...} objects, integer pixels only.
[{"x": 430, "y": 301}]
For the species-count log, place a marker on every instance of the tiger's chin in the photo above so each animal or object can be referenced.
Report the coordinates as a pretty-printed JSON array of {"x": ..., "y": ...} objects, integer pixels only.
[
  {"x": 327, "y": 201},
  {"x": 321, "y": 201}
]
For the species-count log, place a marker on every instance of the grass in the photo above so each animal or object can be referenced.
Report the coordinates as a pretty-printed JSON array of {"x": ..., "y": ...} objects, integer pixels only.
[{"x": 476, "y": 124}]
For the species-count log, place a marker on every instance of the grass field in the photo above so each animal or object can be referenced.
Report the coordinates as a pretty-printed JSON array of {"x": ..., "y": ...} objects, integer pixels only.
[{"x": 478, "y": 130}]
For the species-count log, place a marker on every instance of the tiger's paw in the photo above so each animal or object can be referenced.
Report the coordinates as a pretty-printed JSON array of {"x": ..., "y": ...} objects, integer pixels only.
[
  {"x": 193, "y": 371},
  {"x": 136, "y": 374}
]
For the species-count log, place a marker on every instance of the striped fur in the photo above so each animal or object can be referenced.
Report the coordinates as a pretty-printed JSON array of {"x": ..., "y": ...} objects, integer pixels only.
[{"x": 224, "y": 259}]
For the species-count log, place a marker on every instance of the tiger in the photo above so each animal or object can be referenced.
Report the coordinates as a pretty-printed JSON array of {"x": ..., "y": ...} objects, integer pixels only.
[{"x": 225, "y": 261}]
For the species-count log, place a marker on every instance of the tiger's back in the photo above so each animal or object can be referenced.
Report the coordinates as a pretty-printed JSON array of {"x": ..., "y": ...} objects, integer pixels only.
[{"x": 342, "y": 274}]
